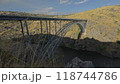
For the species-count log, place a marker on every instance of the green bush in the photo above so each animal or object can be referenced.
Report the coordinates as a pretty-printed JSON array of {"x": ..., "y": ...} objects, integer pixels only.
[{"x": 118, "y": 31}]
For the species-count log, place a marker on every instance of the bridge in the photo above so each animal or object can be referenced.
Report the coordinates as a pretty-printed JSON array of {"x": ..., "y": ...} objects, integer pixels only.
[{"x": 47, "y": 35}]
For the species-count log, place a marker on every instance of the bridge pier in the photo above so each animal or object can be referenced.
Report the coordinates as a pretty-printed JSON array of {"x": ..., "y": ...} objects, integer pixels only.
[
  {"x": 22, "y": 30},
  {"x": 41, "y": 26},
  {"x": 27, "y": 29}
]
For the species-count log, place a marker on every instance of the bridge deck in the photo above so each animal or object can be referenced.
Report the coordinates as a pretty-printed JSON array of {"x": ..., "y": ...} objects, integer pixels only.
[{"x": 6, "y": 17}]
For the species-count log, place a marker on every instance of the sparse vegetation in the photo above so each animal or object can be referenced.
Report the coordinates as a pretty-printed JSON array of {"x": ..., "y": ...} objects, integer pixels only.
[
  {"x": 102, "y": 22},
  {"x": 105, "y": 35},
  {"x": 6, "y": 59},
  {"x": 22, "y": 14},
  {"x": 77, "y": 34},
  {"x": 101, "y": 19},
  {"x": 118, "y": 31}
]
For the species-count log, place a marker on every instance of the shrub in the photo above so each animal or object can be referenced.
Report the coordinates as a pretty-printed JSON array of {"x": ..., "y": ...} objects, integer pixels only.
[{"x": 118, "y": 31}]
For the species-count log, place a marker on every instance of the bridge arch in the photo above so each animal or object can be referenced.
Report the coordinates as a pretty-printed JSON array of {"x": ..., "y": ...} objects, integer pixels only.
[
  {"x": 55, "y": 41},
  {"x": 81, "y": 27}
]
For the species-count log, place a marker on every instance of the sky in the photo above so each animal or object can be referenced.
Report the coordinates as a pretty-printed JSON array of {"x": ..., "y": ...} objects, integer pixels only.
[{"x": 54, "y": 7}]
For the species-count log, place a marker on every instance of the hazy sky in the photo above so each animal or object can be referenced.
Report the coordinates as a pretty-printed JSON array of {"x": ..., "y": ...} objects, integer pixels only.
[{"x": 54, "y": 6}]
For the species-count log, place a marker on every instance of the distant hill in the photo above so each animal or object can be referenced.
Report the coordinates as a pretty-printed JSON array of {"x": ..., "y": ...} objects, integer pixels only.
[
  {"x": 103, "y": 23},
  {"x": 22, "y": 14}
]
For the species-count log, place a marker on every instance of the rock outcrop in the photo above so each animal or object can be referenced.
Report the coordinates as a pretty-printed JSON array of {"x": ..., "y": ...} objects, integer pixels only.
[{"x": 78, "y": 63}]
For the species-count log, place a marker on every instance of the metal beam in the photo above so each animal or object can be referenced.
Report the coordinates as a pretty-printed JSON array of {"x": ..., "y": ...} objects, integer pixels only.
[
  {"x": 55, "y": 26},
  {"x": 28, "y": 32},
  {"x": 41, "y": 26},
  {"x": 6, "y": 17},
  {"x": 22, "y": 31},
  {"x": 49, "y": 27}
]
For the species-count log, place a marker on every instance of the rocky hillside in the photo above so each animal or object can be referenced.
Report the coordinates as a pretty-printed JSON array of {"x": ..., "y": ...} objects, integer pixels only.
[
  {"x": 103, "y": 23},
  {"x": 102, "y": 32},
  {"x": 21, "y": 14}
]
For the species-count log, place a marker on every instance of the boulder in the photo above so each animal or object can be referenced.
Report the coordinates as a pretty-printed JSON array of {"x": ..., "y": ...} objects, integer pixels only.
[{"x": 78, "y": 63}]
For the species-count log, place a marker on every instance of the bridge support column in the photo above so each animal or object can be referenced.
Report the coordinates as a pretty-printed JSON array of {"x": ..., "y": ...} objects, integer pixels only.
[
  {"x": 55, "y": 27},
  {"x": 49, "y": 27},
  {"x": 28, "y": 33},
  {"x": 41, "y": 26},
  {"x": 47, "y": 30},
  {"x": 22, "y": 30}
]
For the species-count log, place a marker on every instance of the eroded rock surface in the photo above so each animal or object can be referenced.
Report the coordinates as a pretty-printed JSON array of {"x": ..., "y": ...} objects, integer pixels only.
[{"x": 78, "y": 63}]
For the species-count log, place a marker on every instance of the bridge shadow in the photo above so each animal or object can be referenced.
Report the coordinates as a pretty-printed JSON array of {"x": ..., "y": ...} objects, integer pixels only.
[{"x": 101, "y": 54}]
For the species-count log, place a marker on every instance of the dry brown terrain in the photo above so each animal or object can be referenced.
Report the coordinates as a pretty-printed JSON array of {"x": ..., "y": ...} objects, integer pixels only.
[{"x": 102, "y": 34}]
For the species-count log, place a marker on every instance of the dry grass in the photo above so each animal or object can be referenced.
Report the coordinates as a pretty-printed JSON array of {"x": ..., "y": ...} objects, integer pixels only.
[
  {"x": 101, "y": 21},
  {"x": 103, "y": 25}
]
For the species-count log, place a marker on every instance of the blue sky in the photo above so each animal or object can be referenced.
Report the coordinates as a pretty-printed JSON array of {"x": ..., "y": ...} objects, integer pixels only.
[{"x": 54, "y": 7}]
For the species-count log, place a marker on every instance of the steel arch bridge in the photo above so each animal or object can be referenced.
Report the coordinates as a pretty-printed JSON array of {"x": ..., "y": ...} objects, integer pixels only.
[{"x": 58, "y": 27}]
